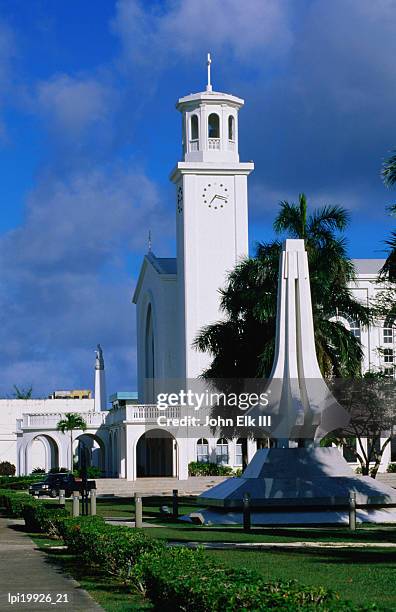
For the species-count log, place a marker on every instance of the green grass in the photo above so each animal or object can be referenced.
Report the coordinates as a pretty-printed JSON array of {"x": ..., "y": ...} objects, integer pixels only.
[
  {"x": 363, "y": 576},
  {"x": 124, "y": 507},
  {"x": 184, "y": 532},
  {"x": 108, "y": 592}
]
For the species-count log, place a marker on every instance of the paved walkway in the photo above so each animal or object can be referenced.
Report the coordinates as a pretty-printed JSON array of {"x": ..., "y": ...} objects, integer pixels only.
[
  {"x": 268, "y": 545},
  {"x": 24, "y": 571}
]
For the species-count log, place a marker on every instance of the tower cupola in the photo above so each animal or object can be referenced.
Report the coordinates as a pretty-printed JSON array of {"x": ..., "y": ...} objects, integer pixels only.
[{"x": 210, "y": 125}]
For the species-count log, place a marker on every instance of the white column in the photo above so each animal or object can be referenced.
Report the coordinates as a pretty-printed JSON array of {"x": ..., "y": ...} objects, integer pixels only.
[
  {"x": 251, "y": 449},
  {"x": 182, "y": 457}
]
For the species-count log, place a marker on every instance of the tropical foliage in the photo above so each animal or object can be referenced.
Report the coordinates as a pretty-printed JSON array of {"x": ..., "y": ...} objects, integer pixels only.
[
  {"x": 389, "y": 178},
  {"x": 71, "y": 422},
  {"x": 242, "y": 345},
  {"x": 21, "y": 393},
  {"x": 371, "y": 404}
]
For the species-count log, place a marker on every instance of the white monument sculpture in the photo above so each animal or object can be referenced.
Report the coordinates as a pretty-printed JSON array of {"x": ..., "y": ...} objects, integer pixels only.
[
  {"x": 308, "y": 484},
  {"x": 100, "y": 381}
]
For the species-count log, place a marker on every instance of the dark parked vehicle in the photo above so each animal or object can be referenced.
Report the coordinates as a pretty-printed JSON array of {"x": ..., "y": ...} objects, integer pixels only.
[{"x": 52, "y": 484}]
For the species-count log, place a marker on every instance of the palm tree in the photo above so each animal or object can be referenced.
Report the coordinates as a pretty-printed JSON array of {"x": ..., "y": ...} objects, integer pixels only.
[
  {"x": 22, "y": 393},
  {"x": 71, "y": 422},
  {"x": 242, "y": 346},
  {"x": 388, "y": 270},
  {"x": 389, "y": 177},
  {"x": 389, "y": 170}
]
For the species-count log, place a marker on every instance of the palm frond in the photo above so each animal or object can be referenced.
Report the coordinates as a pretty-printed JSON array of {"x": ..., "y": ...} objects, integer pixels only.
[{"x": 388, "y": 171}]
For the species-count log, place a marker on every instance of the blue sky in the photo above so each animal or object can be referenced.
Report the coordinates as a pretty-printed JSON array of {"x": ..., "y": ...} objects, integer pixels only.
[{"x": 89, "y": 134}]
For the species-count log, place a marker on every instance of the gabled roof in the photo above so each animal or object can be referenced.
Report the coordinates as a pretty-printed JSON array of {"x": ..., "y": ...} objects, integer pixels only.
[{"x": 165, "y": 266}]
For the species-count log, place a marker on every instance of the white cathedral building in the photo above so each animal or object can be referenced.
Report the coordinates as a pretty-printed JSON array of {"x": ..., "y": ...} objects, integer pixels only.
[{"x": 175, "y": 298}]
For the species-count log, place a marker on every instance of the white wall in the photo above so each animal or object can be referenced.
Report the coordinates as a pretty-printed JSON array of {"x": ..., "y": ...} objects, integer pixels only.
[
  {"x": 13, "y": 409},
  {"x": 159, "y": 290}
]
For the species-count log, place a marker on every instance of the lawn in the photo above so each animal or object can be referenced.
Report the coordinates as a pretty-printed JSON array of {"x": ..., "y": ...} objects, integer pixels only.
[
  {"x": 363, "y": 576},
  {"x": 124, "y": 507},
  {"x": 184, "y": 532}
]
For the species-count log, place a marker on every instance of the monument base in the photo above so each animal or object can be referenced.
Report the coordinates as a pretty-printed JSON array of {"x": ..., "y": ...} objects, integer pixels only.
[{"x": 298, "y": 486}]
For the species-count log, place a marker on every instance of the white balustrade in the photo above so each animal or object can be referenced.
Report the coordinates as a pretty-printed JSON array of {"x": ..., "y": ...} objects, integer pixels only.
[
  {"x": 139, "y": 413},
  {"x": 150, "y": 413},
  {"x": 194, "y": 145},
  {"x": 214, "y": 144},
  {"x": 50, "y": 420}
]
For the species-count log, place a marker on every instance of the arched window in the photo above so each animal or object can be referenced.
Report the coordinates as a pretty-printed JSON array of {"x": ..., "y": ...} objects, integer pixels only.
[
  {"x": 149, "y": 344},
  {"x": 213, "y": 126},
  {"x": 231, "y": 128},
  {"x": 202, "y": 451},
  {"x": 194, "y": 127},
  {"x": 149, "y": 357},
  {"x": 222, "y": 451},
  {"x": 354, "y": 325}
]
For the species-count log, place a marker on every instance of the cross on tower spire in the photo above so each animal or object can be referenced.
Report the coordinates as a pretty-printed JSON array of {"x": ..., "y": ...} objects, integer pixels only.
[{"x": 209, "y": 85}]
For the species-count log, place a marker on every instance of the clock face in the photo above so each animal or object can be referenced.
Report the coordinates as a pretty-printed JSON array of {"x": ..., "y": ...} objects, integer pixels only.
[
  {"x": 179, "y": 198},
  {"x": 215, "y": 195}
]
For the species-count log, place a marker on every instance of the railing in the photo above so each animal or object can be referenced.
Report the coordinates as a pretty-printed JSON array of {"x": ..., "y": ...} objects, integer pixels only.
[
  {"x": 214, "y": 143},
  {"x": 140, "y": 413},
  {"x": 231, "y": 145},
  {"x": 150, "y": 413},
  {"x": 50, "y": 420},
  {"x": 194, "y": 145}
]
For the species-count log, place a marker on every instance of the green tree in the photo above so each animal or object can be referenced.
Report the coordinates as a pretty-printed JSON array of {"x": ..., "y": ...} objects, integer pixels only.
[
  {"x": 70, "y": 423},
  {"x": 389, "y": 178},
  {"x": 371, "y": 404},
  {"x": 242, "y": 345},
  {"x": 22, "y": 393}
]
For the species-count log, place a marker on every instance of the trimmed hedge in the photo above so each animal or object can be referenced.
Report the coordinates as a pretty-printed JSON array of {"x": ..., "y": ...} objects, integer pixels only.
[
  {"x": 38, "y": 516},
  {"x": 18, "y": 483},
  {"x": 199, "y": 468},
  {"x": 115, "y": 550},
  {"x": 14, "y": 502},
  {"x": 183, "y": 579},
  {"x": 173, "y": 578}
]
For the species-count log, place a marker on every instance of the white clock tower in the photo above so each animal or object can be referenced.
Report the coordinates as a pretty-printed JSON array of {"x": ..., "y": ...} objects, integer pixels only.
[{"x": 212, "y": 213}]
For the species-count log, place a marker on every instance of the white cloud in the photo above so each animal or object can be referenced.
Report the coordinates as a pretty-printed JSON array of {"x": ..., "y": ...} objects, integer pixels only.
[
  {"x": 70, "y": 105},
  {"x": 183, "y": 30},
  {"x": 65, "y": 278}
]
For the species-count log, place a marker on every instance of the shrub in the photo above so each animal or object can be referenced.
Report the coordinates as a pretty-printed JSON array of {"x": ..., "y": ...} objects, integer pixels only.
[
  {"x": 18, "y": 483},
  {"x": 391, "y": 468},
  {"x": 114, "y": 549},
  {"x": 58, "y": 470},
  {"x": 43, "y": 519},
  {"x": 182, "y": 579},
  {"x": 173, "y": 578},
  {"x": 92, "y": 472},
  {"x": 14, "y": 502},
  {"x": 7, "y": 468},
  {"x": 198, "y": 468},
  {"x": 38, "y": 470}
]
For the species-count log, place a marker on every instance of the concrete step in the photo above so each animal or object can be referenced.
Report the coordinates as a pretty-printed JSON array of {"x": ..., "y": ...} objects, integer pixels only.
[
  {"x": 387, "y": 478},
  {"x": 156, "y": 486}
]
